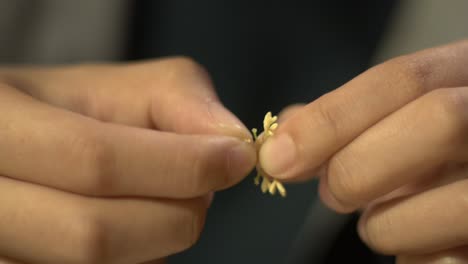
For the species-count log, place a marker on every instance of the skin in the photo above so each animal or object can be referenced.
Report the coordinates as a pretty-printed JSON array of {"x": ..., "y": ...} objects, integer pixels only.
[
  {"x": 392, "y": 142},
  {"x": 110, "y": 158},
  {"x": 112, "y": 163}
]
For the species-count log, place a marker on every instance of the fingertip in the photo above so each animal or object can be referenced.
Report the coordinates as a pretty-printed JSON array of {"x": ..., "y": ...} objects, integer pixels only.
[
  {"x": 330, "y": 200},
  {"x": 361, "y": 228},
  {"x": 226, "y": 122},
  {"x": 241, "y": 160},
  {"x": 278, "y": 155}
]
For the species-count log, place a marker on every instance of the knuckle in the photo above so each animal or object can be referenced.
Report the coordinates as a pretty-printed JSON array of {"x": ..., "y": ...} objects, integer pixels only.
[
  {"x": 461, "y": 199},
  {"x": 450, "y": 107},
  {"x": 208, "y": 169},
  {"x": 183, "y": 66},
  {"x": 378, "y": 231},
  {"x": 3, "y": 85},
  {"x": 414, "y": 70},
  {"x": 185, "y": 63},
  {"x": 90, "y": 239},
  {"x": 182, "y": 71},
  {"x": 461, "y": 202},
  {"x": 197, "y": 182},
  {"x": 98, "y": 162},
  {"x": 343, "y": 184},
  {"x": 193, "y": 222},
  {"x": 330, "y": 116}
]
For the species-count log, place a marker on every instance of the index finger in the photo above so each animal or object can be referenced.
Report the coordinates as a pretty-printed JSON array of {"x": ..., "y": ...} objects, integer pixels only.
[
  {"x": 309, "y": 138},
  {"x": 170, "y": 94}
]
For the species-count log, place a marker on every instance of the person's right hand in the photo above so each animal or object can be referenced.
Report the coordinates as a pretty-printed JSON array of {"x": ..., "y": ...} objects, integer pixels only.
[{"x": 112, "y": 163}]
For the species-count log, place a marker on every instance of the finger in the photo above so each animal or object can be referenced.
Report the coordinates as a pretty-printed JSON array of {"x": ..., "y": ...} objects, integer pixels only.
[
  {"x": 35, "y": 220},
  {"x": 158, "y": 261},
  {"x": 451, "y": 256},
  {"x": 311, "y": 137},
  {"x": 446, "y": 175},
  {"x": 289, "y": 111},
  {"x": 432, "y": 221},
  {"x": 173, "y": 94},
  {"x": 61, "y": 149},
  {"x": 285, "y": 114},
  {"x": 403, "y": 148},
  {"x": 4, "y": 260}
]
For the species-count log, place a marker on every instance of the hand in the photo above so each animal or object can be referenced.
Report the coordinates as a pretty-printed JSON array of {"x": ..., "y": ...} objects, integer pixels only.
[
  {"x": 112, "y": 163},
  {"x": 395, "y": 141}
]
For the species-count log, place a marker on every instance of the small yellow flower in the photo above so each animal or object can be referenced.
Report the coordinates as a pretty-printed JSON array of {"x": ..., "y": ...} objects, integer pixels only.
[{"x": 268, "y": 184}]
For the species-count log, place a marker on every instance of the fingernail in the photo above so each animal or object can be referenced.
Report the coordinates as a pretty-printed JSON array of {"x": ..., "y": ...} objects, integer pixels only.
[
  {"x": 277, "y": 155},
  {"x": 241, "y": 160},
  {"x": 227, "y": 121}
]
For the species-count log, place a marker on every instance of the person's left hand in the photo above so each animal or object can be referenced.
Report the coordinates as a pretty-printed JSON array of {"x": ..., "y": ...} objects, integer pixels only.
[
  {"x": 112, "y": 163},
  {"x": 393, "y": 141}
]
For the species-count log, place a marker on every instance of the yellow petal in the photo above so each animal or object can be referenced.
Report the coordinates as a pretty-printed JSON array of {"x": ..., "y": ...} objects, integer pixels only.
[
  {"x": 265, "y": 185},
  {"x": 267, "y": 121},
  {"x": 273, "y": 119},
  {"x": 254, "y": 132},
  {"x": 272, "y": 188},
  {"x": 281, "y": 189},
  {"x": 257, "y": 179}
]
